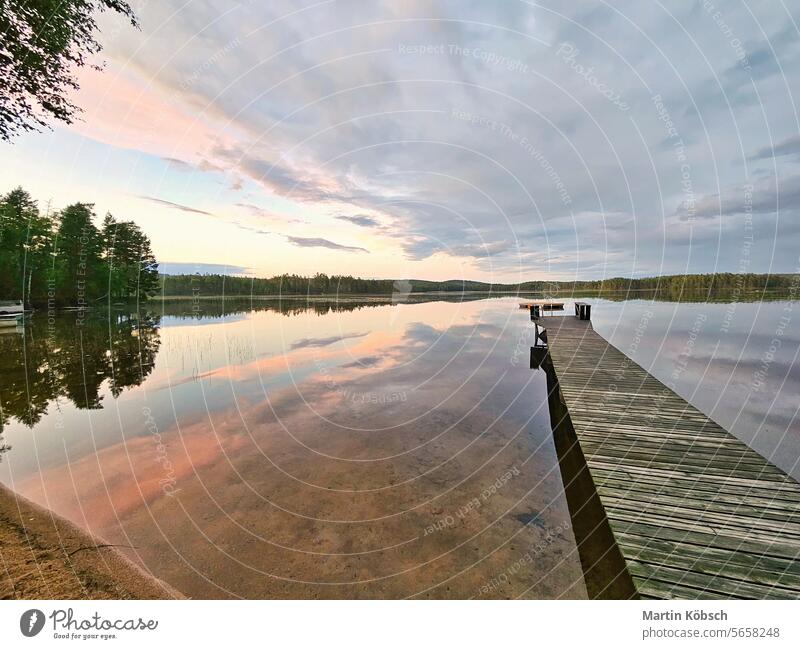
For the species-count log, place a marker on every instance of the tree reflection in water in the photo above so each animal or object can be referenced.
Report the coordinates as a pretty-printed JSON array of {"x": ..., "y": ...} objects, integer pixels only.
[{"x": 71, "y": 356}]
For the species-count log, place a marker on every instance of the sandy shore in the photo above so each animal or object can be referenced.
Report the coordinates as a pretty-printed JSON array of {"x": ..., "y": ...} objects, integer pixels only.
[{"x": 44, "y": 556}]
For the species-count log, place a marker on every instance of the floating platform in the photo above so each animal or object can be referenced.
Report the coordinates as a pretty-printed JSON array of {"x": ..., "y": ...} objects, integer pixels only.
[
  {"x": 666, "y": 504},
  {"x": 544, "y": 305}
]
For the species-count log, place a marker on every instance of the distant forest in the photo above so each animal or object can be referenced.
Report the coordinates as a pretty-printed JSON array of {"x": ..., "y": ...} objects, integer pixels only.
[
  {"x": 666, "y": 286},
  {"x": 63, "y": 259}
]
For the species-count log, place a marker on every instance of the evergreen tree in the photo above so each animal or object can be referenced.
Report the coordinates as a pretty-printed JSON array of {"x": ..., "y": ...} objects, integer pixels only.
[
  {"x": 132, "y": 267},
  {"x": 66, "y": 260},
  {"x": 25, "y": 247},
  {"x": 78, "y": 246},
  {"x": 108, "y": 238},
  {"x": 148, "y": 284}
]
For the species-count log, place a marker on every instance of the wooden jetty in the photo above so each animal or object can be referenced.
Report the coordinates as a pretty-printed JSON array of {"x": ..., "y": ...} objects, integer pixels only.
[{"x": 665, "y": 502}]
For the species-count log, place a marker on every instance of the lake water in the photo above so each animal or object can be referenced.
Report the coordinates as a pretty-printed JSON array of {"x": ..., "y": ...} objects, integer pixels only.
[
  {"x": 352, "y": 449},
  {"x": 736, "y": 362}
]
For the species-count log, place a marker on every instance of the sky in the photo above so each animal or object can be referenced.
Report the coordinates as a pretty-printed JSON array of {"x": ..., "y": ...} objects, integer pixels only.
[{"x": 498, "y": 141}]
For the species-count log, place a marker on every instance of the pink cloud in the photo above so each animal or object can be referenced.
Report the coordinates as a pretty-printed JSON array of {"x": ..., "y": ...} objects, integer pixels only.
[{"x": 122, "y": 109}]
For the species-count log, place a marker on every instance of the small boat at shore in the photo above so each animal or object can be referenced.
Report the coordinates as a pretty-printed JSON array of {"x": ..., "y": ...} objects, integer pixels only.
[
  {"x": 11, "y": 313},
  {"x": 11, "y": 307}
]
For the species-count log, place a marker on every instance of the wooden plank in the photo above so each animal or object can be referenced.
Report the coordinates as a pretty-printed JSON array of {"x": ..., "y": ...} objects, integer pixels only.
[
  {"x": 694, "y": 511},
  {"x": 721, "y": 586},
  {"x": 673, "y": 437},
  {"x": 692, "y": 473},
  {"x": 658, "y": 590},
  {"x": 708, "y": 465},
  {"x": 697, "y": 499},
  {"x": 734, "y": 565},
  {"x": 696, "y": 503},
  {"x": 704, "y": 516},
  {"x": 699, "y": 456},
  {"x": 772, "y": 549},
  {"x": 624, "y": 520}
]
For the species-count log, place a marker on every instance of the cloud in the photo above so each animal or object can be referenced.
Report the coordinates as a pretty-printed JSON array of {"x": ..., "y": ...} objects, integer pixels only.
[
  {"x": 195, "y": 267},
  {"x": 763, "y": 197},
  {"x": 789, "y": 146},
  {"x": 234, "y": 222},
  {"x": 175, "y": 206},
  {"x": 494, "y": 137},
  {"x": 365, "y": 362},
  {"x": 249, "y": 228},
  {"x": 277, "y": 176},
  {"x": 181, "y": 164},
  {"x": 316, "y": 242},
  {"x": 201, "y": 165},
  {"x": 265, "y": 214},
  {"x": 481, "y": 249},
  {"x": 323, "y": 342},
  {"x": 361, "y": 219}
]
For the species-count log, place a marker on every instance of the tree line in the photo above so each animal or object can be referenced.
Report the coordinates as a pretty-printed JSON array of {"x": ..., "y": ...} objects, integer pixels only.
[
  {"x": 319, "y": 284},
  {"x": 676, "y": 286},
  {"x": 61, "y": 258},
  {"x": 671, "y": 286}
]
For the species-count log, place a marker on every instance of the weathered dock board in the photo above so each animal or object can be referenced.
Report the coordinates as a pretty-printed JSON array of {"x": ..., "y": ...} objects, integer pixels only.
[{"x": 694, "y": 512}]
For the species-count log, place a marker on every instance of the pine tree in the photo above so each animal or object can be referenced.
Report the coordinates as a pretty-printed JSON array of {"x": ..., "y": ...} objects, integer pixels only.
[
  {"x": 131, "y": 265},
  {"x": 25, "y": 247},
  {"x": 78, "y": 245}
]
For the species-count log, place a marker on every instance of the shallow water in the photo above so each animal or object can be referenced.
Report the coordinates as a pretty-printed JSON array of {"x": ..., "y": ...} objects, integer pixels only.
[
  {"x": 351, "y": 450},
  {"x": 379, "y": 451}
]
